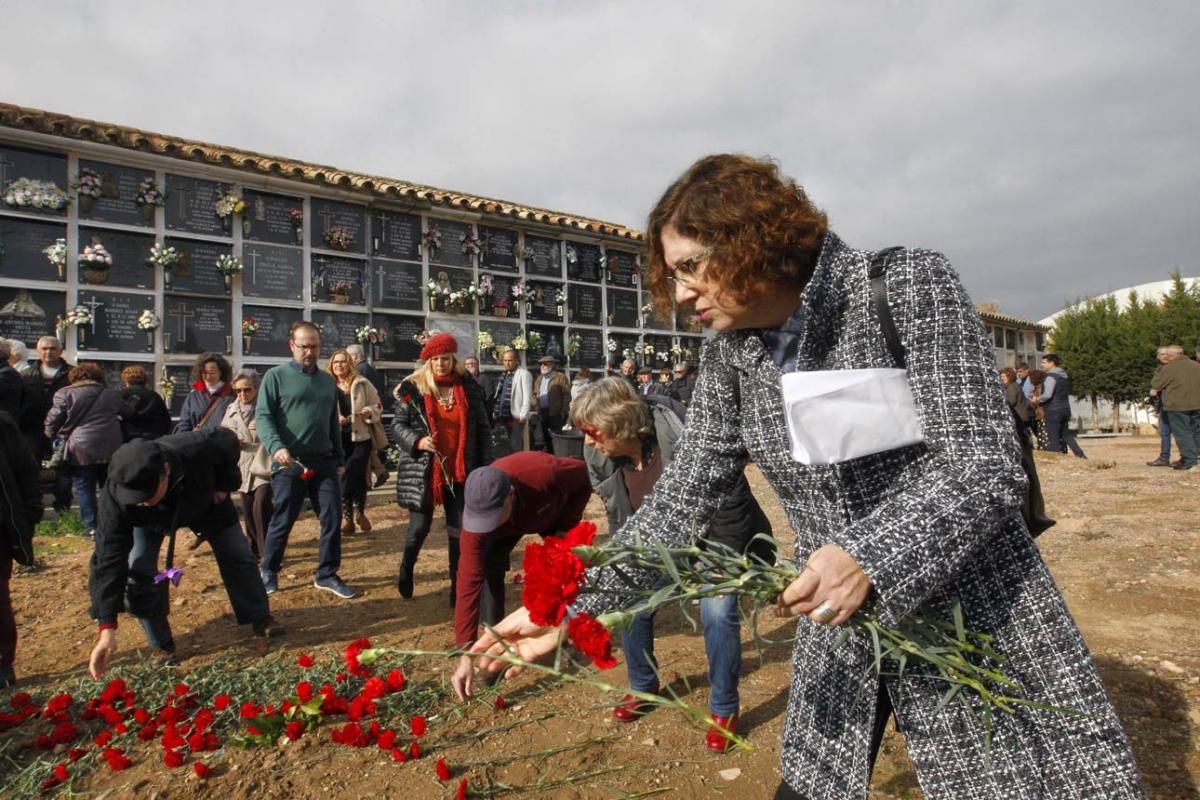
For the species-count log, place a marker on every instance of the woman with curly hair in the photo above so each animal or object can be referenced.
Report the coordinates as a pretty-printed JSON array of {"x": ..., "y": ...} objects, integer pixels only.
[
  {"x": 205, "y": 405},
  {"x": 442, "y": 432},
  {"x": 359, "y": 413},
  {"x": 914, "y": 529}
]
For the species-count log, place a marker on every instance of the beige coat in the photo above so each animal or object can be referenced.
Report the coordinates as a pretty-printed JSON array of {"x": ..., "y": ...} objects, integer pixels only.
[
  {"x": 363, "y": 395},
  {"x": 254, "y": 462}
]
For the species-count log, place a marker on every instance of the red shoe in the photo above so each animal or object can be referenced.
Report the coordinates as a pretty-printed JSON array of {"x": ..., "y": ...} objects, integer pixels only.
[
  {"x": 631, "y": 708},
  {"x": 714, "y": 740}
]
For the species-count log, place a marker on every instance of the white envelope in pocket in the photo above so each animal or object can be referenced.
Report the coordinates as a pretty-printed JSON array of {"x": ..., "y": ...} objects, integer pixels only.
[{"x": 836, "y": 415}]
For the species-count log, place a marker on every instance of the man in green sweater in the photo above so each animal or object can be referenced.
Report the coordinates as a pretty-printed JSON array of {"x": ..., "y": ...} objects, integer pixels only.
[
  {"x": 297, "y": 419},
  {"x": 1178, "y": 381}
]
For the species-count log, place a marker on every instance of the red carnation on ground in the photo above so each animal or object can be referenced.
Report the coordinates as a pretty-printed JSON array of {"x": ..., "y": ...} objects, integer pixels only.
[
  {"x": 462, "y": 790},
  {"x": 398, "y": 755},
  {"x": 553, "y": 575},
  {"x": 60, "y": 775},
  {"x": 304, "y": 691},
  {"x": 352, "y": 656},
  {"x": 173, "y": 759},
  {"x": 222, "y": 702},
  {"x": 414, "y": 750},
  {"x": 500, "y": 704},
  {"x": 181, "y": 689},
  {"x": 305, "y": 660},
  {"x": 294, "y": 730},
  {"x": 116, "y": 759},
  {"x": 592, "y": 639},
  {"x": 201, "y": 770},
  {"x": 387, "y": 740},
  {"x": 443, "y": 771},
  {"x": 20, "y": 700},
  {"x": 417, "y": 726},
  {"x": 395, "y": 680}
]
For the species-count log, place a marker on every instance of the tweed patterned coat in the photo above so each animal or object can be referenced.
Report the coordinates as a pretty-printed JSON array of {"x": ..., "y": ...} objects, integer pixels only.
[{"x": 927, "y": 522}]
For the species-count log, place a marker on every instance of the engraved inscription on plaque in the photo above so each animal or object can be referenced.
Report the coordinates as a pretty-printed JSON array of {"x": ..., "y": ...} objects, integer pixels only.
[
  {"x": 274, "y": 328},
  {"x": 28, "y": 314},
  {"x": 21, "y": 244},
  {"x": 395, "y": 235},
  {"x": 118, "y": 195},
  {"x": 128, "y": 250},
  {"x": 499, "y": 248},
  {"x": 622, "y": 308},
  {"x": 197, "y": 270},
  {"x": 451, "y": 252},
  {"x": 651, "y": 318},
  {"x": 552, "y": 344},
  {"x": 586, "y": 304},
  {"x": 545, "y": 304},
  {"x": 397, "y": 285},
  {"x": 622, "y": 268},
  {"x": 114, "y": 323},
  {"x": 586, "y": 266},
  {"x": 348, "y": 221},
  {"x": 272, "y": 272},
  {"x": 337, "y": 329},
  {"x": 591, "y": 348},
  {"x": 181, "y": 378},
  {"x": 192, "y": 206},
  {"x": 269, "y": 218},
  {"x": 502, "y": 335},
  {"x": 339, "y": 280},
  {"x": 191, "y": 325},
  {"x": 547, "y": 256}
]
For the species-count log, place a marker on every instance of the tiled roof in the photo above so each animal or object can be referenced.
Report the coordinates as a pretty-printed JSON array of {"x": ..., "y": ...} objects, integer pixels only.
[
  {"x": 996, "y": 318},
  {"x": 38, "y": 121}
]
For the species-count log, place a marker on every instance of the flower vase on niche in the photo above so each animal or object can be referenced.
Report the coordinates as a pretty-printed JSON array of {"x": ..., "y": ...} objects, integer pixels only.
[
  {"x": 339, "y": 296},
  {"x": 85, "y": 203},
  {"x": 166, "y": 279},
  {"x": 148, "y": 214},
  {"x": 500, "y": 311},
  {"x": 528, "y": 307},
  {"x": 246, "y": 340},
  {"x": 558, "y": 309},
  {"x": 299, "y": 236},
  {"x": 228, "y": 282},
  {"x": 374, "y": 351},
  {"x": 95, "y": 275},
  {"x": 62, "y": 271},
  {"x": 150, "y": 340},
  {"x": 81, "y": 333}
]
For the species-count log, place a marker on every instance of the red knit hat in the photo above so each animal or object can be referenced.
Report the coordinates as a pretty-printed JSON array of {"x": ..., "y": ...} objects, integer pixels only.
[{"x": 439, "y": 345}]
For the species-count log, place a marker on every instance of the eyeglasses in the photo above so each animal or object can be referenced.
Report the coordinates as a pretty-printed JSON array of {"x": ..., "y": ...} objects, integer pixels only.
[
  {"x": 591, "y": 433},
  {"x": 687, "y": 271},
  {"x": 246, "y": 390}
]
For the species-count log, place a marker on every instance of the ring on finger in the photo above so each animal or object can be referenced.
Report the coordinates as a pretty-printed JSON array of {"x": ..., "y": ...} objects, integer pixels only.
[{"x": 824, "y": 613}]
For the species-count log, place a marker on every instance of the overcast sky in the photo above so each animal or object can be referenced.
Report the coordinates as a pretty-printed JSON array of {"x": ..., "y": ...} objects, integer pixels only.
[{"x": 1048, "y": 148}]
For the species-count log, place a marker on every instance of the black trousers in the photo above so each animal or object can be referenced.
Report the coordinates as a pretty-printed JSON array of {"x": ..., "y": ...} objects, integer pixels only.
[
  {"x": 419, "y": 523},
  {"x": 883, "y": 712},
  {"x": 354, "y": 478}
]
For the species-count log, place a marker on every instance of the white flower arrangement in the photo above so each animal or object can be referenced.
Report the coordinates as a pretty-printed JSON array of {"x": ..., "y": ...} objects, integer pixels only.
[
  {"x": 519, "y": 342},
  {"x": 434, "y": 290},
  {"x": 368, "y": 335},
  {"x": 485, "y": 285},
  {"x": 676, "y": 351},
  {"x": 229, "y": 204},
  {"x": 560, "y": 296},
  {"x": 572, "y": 256},
  {"x": 57, "y": 253},
  {"x": 29, "y": 193},
  {"x": 521, "y": 291},
  {"x": 229, "y": 265},
  {"x": 647, "y": 349},
  {"x": 612, "y": 345},
  {"x": 166, "y": 387},
  {"x": 89, "y": 182},
  {"x": 484, "y": 340},
  {"x": 661, "y": 356},
  {"x": 148, "y": 320},
  {"x": 95, "y": 257},
  {"x": 627, "y": 354},
  {"x": 165, "y": 257},
  {"x": 574, "y": 342},
  {"x": 79, "y": 315},
  {"x": 535, "y": 340},
  {"x": 603, "y": 260}
]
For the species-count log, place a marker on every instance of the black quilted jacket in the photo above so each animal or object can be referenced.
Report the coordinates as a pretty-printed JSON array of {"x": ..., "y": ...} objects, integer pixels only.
[{"x": 414, "y": 486}]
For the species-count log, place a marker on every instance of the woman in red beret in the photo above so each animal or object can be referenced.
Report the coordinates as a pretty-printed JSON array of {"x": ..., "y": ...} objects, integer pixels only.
[{"x": 442, "y": 429}]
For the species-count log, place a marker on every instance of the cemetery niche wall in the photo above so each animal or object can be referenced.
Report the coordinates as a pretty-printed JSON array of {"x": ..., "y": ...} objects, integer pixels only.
[{"x": 133, "y": 257}]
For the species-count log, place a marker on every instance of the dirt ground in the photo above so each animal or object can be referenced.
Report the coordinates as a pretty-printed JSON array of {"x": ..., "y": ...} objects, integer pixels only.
[{"x": 1124, "y": 552}]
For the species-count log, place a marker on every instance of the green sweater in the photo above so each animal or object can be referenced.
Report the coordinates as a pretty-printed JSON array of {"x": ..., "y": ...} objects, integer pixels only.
[
  {"x": 298, "y": 410},
  {"x": 1179, "y": 382}
]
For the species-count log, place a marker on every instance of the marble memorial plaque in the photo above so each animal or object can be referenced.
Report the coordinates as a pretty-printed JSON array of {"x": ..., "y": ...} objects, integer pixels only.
[
  {"x": 337, "y": 330},
  {"x": 268, "y": 218},
  {"x": 129, "y": 252},
  {"x": 21, "y": 244},
  {"x": 586, "y": 266},
  {"x": 350, "y": 218},
  {"x": 272, "y": 272},
  {"x": 499, "y": 248},
  {"x": 451, "y": 252},
  {"x": 340, "y": 280},
  {"x": 586, "y": 304},
  {"x": 29, "y": 314},
  {"x": 196, "y": 326},
  {"x": 192, "y": 206},
  {"x": 197, "y": 271},
  {"x": 398, "y": 285},
  {"x": 114, "y": 326},
  {"x": 622, "y": 308},
  {"x": 399, "y": 345},
  {"x": 274, "y": 330},
  {"x": 396, "y": 235},
  {"x": 118, "y": 195},
  {"x": 547, "y": 256}
]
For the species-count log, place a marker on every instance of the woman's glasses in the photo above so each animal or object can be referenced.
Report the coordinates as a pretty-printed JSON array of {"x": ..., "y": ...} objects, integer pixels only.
[{"x": 687, "y": 271}]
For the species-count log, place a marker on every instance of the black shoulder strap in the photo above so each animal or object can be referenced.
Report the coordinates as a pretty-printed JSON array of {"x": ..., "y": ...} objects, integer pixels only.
[{"x": 879, "y": 299}]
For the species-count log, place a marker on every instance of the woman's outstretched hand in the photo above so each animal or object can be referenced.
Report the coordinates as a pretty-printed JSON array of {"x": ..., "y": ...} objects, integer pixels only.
[{"x": 516, "y": 635}]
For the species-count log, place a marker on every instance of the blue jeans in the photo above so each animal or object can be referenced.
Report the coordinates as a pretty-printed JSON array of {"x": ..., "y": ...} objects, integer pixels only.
[
  {"x": 239, "y": 573},
  {"x": 1186, "y": 427},
  {"x": 1164, "y": 436},
  {"x": 325, "y": 492},
  {"x": 722, "y": 645},
  {"x": 85, "y": 480}
]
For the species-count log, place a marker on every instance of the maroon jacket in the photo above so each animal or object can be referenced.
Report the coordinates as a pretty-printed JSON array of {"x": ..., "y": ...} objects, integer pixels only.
[{"x": 551, "y": 495}]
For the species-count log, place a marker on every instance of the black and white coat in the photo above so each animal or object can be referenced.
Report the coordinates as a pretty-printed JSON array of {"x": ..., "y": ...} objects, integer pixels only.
[{"x": 927, "y": 522}]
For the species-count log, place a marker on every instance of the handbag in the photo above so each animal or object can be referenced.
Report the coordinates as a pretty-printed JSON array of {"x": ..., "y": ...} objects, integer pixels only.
[
  {"x": 58, "y": 458},
  {"x": 1033, "y": 507}
]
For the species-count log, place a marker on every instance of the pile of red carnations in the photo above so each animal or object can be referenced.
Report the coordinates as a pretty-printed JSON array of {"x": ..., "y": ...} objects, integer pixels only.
[
  {"x": 184, "y": 725},
  {"x": 553, "y": 577}
]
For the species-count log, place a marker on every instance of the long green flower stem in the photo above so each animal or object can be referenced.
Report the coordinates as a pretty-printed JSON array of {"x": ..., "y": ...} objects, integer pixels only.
[{"x": 943, "y": 650}]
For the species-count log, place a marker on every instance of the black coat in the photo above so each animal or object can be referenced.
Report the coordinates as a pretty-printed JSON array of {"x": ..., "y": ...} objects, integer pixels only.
[
  {"x": 202, "y": 462},
  {"x": 144, "y": 415},
  {"x": 11, "y": 389},
  {"x": 414, "y": 479},
  {"x": 20, "y": 491}
]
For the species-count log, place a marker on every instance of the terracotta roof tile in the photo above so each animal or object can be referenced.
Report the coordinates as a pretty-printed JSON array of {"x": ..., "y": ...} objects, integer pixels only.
[{"x": 38, "y": 121}]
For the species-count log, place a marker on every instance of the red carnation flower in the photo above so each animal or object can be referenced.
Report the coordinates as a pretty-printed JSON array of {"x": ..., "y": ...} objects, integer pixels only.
[
  {"x": 443, "y": 771},
  {"x": 141, "y": 715},
  {"x": 398, "y": 755},
  {"x": 116, "y": 759},
  {"x": 395, "y": 680},
  {"x": 305, "y": 660},
  {"x": 20, "y": 700},
  {"x": 414, "y": 750},
  {"x": 249, "y": 710},
  {"x": 181, "y": 689},
  {"x": 351, "y": 655},
  {"x": 582, "y": 534},
  {"x": 500, "y": 704},
  {"x": 294, "y": 730},
  {"x": 462, "y": 790},
  {"x": 173, "y": 759},
  {"x": 75, "y": 753},
  {"x": 60, "y": 775},
  {"x": 222, "y": 702},
  {"x": 387, "y": 740},
  {"x": 417, "y": 726},
  {"x": 304, "y": 691},
  {"x": 103, "y": 739},
  {"x": 592, "y": 639},
  {"x": 203, "y": 720},
  {"x": 553, "y": 575},
  {"x": 201, "y": 770}
]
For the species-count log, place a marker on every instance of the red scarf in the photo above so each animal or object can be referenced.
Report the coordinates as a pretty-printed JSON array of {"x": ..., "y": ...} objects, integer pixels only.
[{"x": 455, "y": 463}]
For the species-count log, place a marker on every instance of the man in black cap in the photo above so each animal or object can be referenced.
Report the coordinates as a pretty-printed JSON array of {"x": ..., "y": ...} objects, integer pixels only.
[
  {"x": 153, "y": 489},
  {"x": 527, "y": 492},
  {"x": 647, "y": 385}
]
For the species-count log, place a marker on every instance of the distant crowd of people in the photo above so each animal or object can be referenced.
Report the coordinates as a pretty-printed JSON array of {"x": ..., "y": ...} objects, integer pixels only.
[{"x": 1040, "y": 400}]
